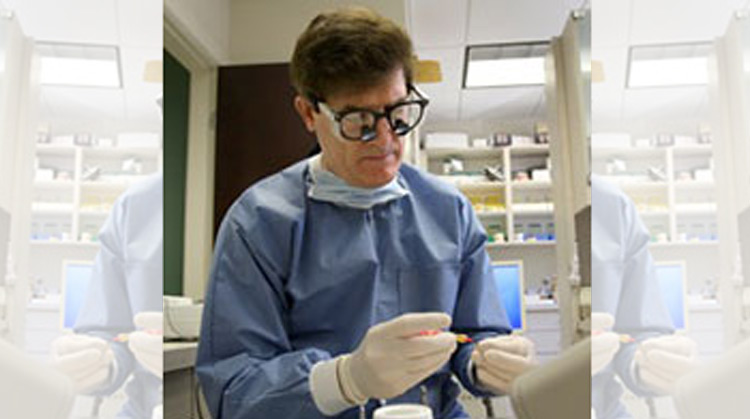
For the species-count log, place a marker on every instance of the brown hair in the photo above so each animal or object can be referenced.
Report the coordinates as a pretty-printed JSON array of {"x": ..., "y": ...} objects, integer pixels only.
[{"x": 347, "y": 49}]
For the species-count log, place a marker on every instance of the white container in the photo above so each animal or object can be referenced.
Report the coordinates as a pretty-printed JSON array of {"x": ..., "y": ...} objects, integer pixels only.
[
  {"x": 541, "y": 175},
  {"x": 138, "y": 140},
  {"x": 403, "y": 411},
  {"x": 182, "y": 318},
  {"x": 446, "y": 140},
  {"x": 611, "y": 139}
]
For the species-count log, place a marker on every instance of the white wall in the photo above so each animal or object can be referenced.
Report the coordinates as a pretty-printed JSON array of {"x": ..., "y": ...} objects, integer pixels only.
[
  {"x": 205, "y": 23},
  {"x": 264, "y": 31}
]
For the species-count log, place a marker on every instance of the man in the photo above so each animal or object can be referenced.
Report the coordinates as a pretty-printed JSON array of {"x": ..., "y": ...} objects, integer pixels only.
[
  {"x": 342, "y": 280},
  {"x": 626, "y": 300},
  {"x": 125, "y": 296}
]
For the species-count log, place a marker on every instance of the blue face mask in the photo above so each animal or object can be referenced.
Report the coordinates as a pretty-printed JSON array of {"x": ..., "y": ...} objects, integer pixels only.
[{"x": 326, "y": 186}]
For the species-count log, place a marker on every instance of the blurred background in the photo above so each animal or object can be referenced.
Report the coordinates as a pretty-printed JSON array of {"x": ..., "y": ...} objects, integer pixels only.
[
  {"x": 670, "y": 105},
  {"x": 79, "y": 123}
]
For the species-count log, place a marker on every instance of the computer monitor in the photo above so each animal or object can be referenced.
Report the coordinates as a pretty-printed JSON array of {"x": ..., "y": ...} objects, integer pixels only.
[
  {"x": 4, "y": 241},
  {"x": 508, "y": 277},
  {"x": 75, "y": 284},
  {"x": 672, "y": 284}
]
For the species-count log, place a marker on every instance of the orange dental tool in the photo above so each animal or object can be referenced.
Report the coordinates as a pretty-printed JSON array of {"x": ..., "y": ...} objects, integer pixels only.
[{"x": 460, "y": 338}]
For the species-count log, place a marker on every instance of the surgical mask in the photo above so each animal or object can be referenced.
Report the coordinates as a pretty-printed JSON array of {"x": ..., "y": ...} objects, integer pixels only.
[{"x": 326, "y": 186}]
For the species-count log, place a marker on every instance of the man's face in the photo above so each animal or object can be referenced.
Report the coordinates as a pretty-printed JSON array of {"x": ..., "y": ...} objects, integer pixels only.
[{"x": 363, "y": 164}]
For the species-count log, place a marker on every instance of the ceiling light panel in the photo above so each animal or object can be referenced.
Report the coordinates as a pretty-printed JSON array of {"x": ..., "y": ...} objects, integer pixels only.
[
  {"x": 79, "y": 65},
  {"x": 503, "y": 65}
]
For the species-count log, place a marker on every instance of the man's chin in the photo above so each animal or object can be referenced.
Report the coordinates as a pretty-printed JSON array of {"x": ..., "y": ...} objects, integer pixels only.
[{"x": 377, "y": 178}]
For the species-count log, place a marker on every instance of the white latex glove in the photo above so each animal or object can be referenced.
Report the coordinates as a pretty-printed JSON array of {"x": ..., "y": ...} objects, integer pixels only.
[
  {"x": 604, "y": 342},
  {"x": 147, "y": 342},
  {"x": 158, "y": 412},
  {"x": 501, "y": 359},
  {"x": 393, "y": 357},
  {"x": 661, "y": 361},
  {"x": 87, "y": 360}
]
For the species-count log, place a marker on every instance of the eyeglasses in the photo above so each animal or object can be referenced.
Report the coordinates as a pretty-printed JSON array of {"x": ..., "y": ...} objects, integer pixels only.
[{"x": 360, "y": 124}]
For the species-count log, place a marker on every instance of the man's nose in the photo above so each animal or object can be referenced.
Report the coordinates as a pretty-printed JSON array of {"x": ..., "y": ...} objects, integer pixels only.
[{"x": 384, "y": 134}]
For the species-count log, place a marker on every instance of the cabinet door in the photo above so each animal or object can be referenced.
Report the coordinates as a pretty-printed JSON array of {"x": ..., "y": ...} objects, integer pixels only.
[{"x": 258, "y": 130}]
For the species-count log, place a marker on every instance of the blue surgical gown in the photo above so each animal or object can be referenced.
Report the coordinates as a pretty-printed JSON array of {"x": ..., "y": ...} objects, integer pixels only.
[
  {"x": 295, "y": 281},
  {"x": 624, "y": 284},
  {"x": 127, "y": 279}
]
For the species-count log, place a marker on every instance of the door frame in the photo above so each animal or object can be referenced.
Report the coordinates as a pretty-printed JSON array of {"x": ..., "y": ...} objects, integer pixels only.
[{"x": 199, "y": 191}]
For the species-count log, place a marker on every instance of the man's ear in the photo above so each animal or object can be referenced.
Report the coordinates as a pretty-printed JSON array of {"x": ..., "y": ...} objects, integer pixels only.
[{"x": 306, "y": 112}]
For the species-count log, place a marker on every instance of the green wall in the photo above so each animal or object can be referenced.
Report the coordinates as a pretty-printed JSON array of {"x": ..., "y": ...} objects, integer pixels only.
[{"x": 176, "y": 100}]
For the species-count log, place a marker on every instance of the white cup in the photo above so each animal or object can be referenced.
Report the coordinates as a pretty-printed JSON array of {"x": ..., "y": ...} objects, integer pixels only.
[{"x": 403, "y": 411}]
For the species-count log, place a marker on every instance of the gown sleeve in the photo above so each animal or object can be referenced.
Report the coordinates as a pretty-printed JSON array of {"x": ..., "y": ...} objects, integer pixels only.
[
  {"x": 105, "y": 312},
  {"x": 641, "y": 310},
  {"x": 479, "y": 311},
  {"x": 246, "y": 364}
]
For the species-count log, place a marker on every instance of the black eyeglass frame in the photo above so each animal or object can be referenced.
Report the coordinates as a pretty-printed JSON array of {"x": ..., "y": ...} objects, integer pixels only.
[{"x": 337, "y": 117}]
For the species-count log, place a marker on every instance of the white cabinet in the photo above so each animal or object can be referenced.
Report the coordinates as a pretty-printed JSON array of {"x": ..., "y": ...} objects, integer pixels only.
[
  {"x": 43, "y": 326},
  {"x": 517, "y": 206},
  {"x": 75, "y": 187},
  {"x": 673, "y": 188},
  {"x": 518, "y": 214},
  {"x": 543, "y": 328}
]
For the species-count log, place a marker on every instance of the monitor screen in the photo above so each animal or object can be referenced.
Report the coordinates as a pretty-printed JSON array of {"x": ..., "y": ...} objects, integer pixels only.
[
  {"x": 76, "y": 278},
  {"x": 509, "y": 281},
  {"x": 671, "y": 277}
]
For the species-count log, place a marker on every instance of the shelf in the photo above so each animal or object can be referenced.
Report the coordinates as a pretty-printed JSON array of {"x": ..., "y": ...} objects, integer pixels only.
[
  {"x": 53, "y": 184},
  {"x": 542, "y": 244},
  {"x": 105, "y": 186},
  {"x": 56, "y": 150},
  {"x": 491, "y": 214},
  {"x": 681, "y": 150},
  {"x": 149, "y": 152},
  {"x": 59, "y": 243},
  {"x": 693, "y": 150},
  {"x": 531, "y": 184},
  {"x": 653, "y": 213},
  {"x": 529, "y": 150},
  {"x": 476, "y": 152},
  {"x": 93, "y": 213},
  {"x": 474, "y": 186},
  {"x": 604, "y": 152},
  {"x": 533, "y": 209},
  {"x": 488, "y": 152},
  {"x": 696, "y": 243},
  {"x": 637, "y": 185},
  {"x": 51, "y": 208},
  {"x": 694, "y": 184},
  {"x": 690, "y": 209}
]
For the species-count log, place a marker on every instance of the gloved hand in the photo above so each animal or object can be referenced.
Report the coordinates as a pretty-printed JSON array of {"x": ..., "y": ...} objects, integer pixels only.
[
  {"x": 393, "y": 357},
  {"x": 501, "y": 359},
  {"x": 604, "y": 342},
  {"x": 146, "y": 343},
  {"x": 87, "y": 360},
  {"x": 158, "y": 412},
  {"x": 661, "y": 361}
]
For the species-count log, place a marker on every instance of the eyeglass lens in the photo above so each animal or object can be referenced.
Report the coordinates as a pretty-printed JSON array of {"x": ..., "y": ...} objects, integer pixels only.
[{"x": 361, "y": 124}]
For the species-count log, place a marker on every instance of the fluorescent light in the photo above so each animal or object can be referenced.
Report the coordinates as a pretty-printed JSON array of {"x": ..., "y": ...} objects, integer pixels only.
[
  {"x": 668, "y": 65},
  {"x": 79, "y": 72},
  {"x": 519, "y": 64},
  {"x": 669, "y": 72},
  {"x": 505, "y": 72},
  {"x": 79, "y": 65}
]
